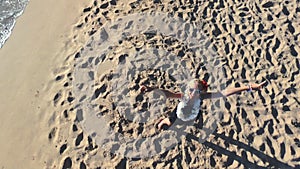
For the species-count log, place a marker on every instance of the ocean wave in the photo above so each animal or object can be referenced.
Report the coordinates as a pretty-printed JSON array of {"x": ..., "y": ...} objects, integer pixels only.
[{"x": 9, "y": 11}]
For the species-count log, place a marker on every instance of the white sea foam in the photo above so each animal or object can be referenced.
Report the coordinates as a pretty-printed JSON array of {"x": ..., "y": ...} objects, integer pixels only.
[{"x": 9, "y": 11}]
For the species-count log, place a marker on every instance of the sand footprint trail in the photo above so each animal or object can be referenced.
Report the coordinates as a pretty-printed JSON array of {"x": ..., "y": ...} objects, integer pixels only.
[
  {"x": 137, "y": 57},
  {"x": 255, "y": 40}
]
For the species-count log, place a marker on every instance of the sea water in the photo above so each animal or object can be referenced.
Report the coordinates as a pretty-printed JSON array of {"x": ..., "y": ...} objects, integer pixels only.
[{"x": 9, "y": 11}]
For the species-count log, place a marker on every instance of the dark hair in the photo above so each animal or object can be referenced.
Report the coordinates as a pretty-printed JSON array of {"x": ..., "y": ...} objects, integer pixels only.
[{"x": 204, "y": 84}]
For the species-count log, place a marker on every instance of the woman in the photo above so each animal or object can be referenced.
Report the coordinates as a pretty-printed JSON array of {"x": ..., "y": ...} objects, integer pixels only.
[{"x": 189, "y": 105}]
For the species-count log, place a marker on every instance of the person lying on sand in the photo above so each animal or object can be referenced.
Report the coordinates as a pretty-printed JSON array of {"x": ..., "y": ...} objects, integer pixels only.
[{"x": 189, "y": 105}]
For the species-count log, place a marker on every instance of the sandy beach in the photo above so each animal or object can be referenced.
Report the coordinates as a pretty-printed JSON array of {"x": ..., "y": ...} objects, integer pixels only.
[
  {"x": 71, "y": 74},
  {"x": 28, "y": 60}
]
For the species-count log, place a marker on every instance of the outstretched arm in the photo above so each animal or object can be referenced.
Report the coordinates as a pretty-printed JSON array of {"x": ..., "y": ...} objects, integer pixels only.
[
  {"x": 236, "y": 90},
  {"x": 231, "y": 91},
  {"x": 169, "y": 94}
]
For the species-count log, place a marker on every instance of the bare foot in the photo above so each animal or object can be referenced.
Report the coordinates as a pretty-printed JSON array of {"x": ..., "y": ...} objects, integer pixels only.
[{"x": 165, "y": 121}]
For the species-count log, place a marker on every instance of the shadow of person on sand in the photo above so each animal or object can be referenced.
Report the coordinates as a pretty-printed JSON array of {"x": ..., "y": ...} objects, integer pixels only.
[{"x": 273, "y": 162}]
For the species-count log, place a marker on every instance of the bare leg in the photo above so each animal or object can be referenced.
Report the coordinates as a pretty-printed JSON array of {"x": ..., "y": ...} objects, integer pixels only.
[{"x": 168, "y": 93}]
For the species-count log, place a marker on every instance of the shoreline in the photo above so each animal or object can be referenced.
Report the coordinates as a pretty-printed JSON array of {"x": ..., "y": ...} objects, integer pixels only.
[
  {"x": 27, "y": 61},
  {"x": 42, "y": 113}
]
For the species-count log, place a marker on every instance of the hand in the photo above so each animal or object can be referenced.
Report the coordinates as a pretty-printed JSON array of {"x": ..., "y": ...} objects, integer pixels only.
[
  {"x": 145, "y": 89},
  {"x": 255, "y": 86}
]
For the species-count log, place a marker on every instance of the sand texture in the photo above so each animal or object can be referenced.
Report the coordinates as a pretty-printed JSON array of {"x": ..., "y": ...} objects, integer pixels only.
[{"x": 92, "y": 114}]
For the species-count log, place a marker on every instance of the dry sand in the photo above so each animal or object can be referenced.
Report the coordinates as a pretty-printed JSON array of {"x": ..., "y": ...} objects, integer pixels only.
[{"x": 41, "y": 126}]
